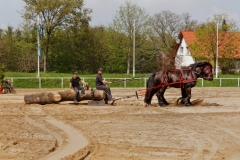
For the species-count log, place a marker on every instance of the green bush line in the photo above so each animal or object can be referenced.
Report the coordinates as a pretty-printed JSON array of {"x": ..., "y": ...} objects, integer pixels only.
[{"x": 33, "y": 82}]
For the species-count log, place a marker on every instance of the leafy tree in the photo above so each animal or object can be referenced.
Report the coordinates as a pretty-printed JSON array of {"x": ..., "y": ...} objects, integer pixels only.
[
  {"x": 117, "y": 45},
  {"x": 123, "y": 23},
  {"x": 204, "y": 47},
  {"x": 64, "y": 56},
  {"x": 56, "y": 14},
  {"x": 4, "y": 51},
  {"x": 2, "y": 69}
]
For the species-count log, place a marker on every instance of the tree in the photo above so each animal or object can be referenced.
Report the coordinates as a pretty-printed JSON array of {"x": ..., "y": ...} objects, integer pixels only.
[
  {"x": 4, "y": 51},
  {"x": 166, "y": 26},
  {"x": 186, "y": 23},
  {"x": 2, "y": 69},
  {"x": 56, "y": 14},
  {"x": 123, "y": 22},
  {"x": 204, "y": 47},
  {"x": 117, "y": 43}
]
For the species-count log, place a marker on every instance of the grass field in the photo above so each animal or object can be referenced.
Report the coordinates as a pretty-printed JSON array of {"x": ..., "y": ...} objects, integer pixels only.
[
  {"x": 61, "y": 80},
  {"x": 52, "y": 74}
]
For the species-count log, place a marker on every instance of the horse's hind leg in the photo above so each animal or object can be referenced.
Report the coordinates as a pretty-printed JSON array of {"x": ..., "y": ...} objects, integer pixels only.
[
  {"x": 148, "y": 96},
  {"x": 160, "y": 95}
]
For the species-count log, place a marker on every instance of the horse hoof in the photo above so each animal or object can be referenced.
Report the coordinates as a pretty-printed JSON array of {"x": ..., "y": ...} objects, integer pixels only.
[
  {"x": 146, "y": 104},
  {"x": 182, "y": 102},
  {"x": 188, "y": 105},
  {"x": 163, "y": 105}
]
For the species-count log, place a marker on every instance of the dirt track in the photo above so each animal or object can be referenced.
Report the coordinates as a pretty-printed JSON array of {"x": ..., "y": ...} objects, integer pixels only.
[{"x": 208, "y": 130}]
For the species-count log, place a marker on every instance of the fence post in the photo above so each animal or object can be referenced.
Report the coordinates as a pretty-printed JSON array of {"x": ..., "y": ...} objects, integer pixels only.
[
  {"x": 125, "y": 83},
  {"x": 12, "y": 80},
  {"x": 145, "y": 82},
  {"x": 62, "y": 83},
  {"x": 220, "y": 82},
  {"x": 40, "y": 83},
  {"x": 202, "y": 82},
  {"x": 238, "y": 82},
  {"x": 83, "y": 81}
]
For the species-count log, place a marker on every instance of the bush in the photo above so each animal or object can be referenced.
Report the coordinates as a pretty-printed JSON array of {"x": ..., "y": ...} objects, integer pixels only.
[{"x": 1, "y": 74}]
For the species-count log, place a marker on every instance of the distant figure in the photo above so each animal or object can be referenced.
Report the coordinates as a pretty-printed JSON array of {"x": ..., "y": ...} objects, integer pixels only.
[
  {"x": 8, "y": 87},
  {"x": 101, "y": 84},
  {"x": 74, "y": 85}
]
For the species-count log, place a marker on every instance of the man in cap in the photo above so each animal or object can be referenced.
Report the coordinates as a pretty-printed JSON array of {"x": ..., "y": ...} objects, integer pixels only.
[
  {"x": 101, "y": 84},
  {"x": 74, "y": 85}
]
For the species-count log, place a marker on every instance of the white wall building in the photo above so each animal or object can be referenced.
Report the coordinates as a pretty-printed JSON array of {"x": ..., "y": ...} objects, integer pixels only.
[{"x": 183, "y": 56}]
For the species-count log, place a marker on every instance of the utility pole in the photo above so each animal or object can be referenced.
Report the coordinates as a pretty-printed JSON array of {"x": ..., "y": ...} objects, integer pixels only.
[
  {"x": 38, "y": 41},
  {"x": 134, "y": 48},
  {"x": 217, "y": 55}
]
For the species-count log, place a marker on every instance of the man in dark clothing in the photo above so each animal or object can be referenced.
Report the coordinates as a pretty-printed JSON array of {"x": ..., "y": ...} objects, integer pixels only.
[
  {"x": 74, "y": 85},
  {"x": 101, "y": 84}
]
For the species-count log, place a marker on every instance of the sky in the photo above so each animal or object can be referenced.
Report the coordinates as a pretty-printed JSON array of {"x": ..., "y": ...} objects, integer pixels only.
[{"x": 104, "y": 10}]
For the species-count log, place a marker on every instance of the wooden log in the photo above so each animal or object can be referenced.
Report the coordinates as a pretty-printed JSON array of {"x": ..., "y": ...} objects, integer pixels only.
[
  {"x": 99, "y": 94},
  {"x": 63, "y": 95},
  {"x": 42, "y": 98},
  {"x": 68, "y": 95}
]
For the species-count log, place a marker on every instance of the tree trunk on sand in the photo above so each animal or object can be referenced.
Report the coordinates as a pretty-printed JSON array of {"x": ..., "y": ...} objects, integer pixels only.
[
  {"x": 42, "y": 98},
  {"x": 63, "y": 95}
]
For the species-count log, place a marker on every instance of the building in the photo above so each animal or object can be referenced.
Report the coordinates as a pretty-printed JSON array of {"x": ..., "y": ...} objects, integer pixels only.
[{"x": 183, "y": 56}]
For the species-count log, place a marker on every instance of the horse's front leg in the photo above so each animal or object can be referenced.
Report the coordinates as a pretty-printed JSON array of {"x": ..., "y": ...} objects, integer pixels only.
[
  {"x": 187, "y": 99},
  {"x": 160, "y": 95}
]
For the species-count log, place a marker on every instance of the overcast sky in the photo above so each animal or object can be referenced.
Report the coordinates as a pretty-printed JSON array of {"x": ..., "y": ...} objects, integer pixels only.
[{"x": 104, "y": 10}]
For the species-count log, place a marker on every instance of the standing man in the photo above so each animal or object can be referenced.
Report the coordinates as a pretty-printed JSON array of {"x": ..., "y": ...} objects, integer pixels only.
[
  {"x": 101, "y": 84},
  {"x": 74, "y": 85}
]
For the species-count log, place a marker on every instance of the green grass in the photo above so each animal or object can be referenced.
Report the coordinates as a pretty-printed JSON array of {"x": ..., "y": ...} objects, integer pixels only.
[
  {"x": 30, "y": 80},
  {"x": 52, "y": 74},
  {"x": 228, "y": 76},
  {"x": 62, "y": 80}
]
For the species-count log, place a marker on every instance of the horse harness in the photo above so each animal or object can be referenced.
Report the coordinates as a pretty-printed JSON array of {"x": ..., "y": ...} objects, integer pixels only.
[{"x": 182, "y": 80}]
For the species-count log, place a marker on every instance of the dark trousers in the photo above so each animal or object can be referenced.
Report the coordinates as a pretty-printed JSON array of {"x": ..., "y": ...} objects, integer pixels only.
[
  {"x": 76, "y": 89},
  {"x": 106, "y": 89}
]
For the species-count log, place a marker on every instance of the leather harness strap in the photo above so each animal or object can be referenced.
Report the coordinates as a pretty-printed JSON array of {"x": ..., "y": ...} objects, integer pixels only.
[{"x": 182, "y": 80}]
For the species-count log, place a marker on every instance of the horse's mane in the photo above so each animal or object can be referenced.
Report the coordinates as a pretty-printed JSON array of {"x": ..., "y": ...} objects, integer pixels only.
[{"x": 199, "y": 64}]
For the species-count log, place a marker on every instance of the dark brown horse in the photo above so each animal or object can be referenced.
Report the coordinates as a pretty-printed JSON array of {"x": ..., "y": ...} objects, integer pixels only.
[{"x": 177, "y": 78}]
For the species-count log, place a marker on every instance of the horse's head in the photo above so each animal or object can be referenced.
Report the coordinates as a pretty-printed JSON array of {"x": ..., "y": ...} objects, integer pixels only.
[
  {"x": 207, "y": 72},
  {"x": 204, "y": 70}
]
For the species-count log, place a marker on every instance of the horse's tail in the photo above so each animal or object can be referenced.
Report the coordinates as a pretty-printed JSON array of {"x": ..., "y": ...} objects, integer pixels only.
[
  {"x": 150, "y": 82},
  {"x": 149, "y": 93}
]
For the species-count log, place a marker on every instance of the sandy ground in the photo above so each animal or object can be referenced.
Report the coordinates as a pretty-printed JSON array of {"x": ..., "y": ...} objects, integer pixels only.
[{"x": 210, "y": 129}]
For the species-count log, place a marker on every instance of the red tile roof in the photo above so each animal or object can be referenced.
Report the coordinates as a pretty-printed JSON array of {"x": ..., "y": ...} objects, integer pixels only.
[{"x": 189, "y": 36}]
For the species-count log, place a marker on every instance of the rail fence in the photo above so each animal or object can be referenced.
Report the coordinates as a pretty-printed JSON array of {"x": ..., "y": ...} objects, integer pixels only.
[{"x": 63, "y": 82}]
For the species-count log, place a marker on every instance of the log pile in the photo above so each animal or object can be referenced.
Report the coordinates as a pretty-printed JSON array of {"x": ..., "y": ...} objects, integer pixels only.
[{"x": 63, "y": 95}]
